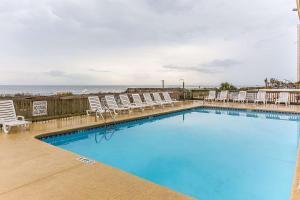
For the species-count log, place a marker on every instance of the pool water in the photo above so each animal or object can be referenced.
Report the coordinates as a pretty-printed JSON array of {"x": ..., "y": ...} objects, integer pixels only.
[{"x": 213, "y": 154}]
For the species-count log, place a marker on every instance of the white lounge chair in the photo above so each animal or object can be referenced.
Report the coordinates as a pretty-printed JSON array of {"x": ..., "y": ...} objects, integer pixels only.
[
  {"x": 159, "y": 100},
  {"x": 261, "y": 97},
  {"x": 223, "y": 96},
  {"x": 283, "y": 98},
  {"x": 242, "y": 97},
  {"x": 8, "y": 117},
  {"x": 211, "y": 96},
  {"x": 138, "y": 101},
  {"x": 112, "y": 104},
  {"x": 168, "y": 98},
  {"x": 149, "y": 101},
  {"x": 126, "y": 102},
  {"x": 95, "y": 107}
]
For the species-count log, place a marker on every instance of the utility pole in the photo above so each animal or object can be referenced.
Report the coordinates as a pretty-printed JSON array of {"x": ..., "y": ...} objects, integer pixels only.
[{"x": 183, "y": 88}]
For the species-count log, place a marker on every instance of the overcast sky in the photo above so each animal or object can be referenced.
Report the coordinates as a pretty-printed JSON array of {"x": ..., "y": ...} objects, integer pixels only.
[{"x": 144, "y": 41}]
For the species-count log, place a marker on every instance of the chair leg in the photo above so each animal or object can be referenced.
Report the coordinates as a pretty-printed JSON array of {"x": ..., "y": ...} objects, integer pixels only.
[{"x": 5, "y": 128}]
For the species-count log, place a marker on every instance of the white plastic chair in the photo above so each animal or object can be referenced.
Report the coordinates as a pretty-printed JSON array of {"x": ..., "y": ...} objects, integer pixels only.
[
  {"x": 283, "y": 98},
  {"x": 223, "y": 96},
  {"x": 261, "y": 97},
  {"x": 149, "y": 101},
  {"x": 159, "y": 100},
  {"x": 8, "y": 117},
  {"x": 242, "y": 97},
  {"x": 112, "y": 104},
  {"x": 95, "y": 106},
  {"x": 211, "y": 96},
  {"x": 126, "y": 102},
  {"x": 168, "y": 98}
]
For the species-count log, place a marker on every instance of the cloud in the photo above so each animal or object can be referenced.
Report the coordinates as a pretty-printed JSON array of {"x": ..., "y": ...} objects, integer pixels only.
[
  {"x": 221, "y": 63},
  {"x": 215, "y": 66},
  {"x": 98, "y": 70},
  {"x": 65, "y": 76},
  {"x": 56, "y": 73}
]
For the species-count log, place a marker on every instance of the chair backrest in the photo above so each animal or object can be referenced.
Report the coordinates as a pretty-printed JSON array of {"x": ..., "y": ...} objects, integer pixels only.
[
  {"x": 242, "y": 95},
  {"x": 137, "y": 99},
  {"x": 95, "y": 104},
  {"x": 261, "y": 95},
  {"x": 111, "y": 102},
  {"x": 124, "y": 99},
  {"x": 284, "y": 96},
  {"x": 167, "y": 97},
  {"x": 224, "y": 94},
  {"x": 212, "y": 94},
  {"x": 157, "y": 97},
  {"x": 148, "y": 98},
  {"x": 7, "y": 111}
]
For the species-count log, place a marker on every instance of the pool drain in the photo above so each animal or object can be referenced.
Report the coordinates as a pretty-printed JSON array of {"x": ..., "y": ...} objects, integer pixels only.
[{"x": 85, "y": 160}]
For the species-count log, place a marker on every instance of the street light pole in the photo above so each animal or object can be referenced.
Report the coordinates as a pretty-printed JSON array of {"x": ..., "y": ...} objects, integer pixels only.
[{"x": 183, "y": 88}]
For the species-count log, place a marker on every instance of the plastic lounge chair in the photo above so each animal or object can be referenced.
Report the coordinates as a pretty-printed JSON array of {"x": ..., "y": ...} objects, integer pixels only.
[
  {"x": 261, "y": 97},
  {"x": 126, "y": 102},
  {"x": 283, "y": 98},
  {"x": 168, "y": 98},
  {"x": 211, "y": 96},
  {"x": 138, "y": 101},
  {"x": 112, "y": 104},
  {"x": 149, "y": 101},
  {"x": 8, "y": 117},
  {"x": 159, "y": 100},
  {"x": 223, "y": 96},
  {"x": 95, "y": 106},
  {"x": 242, "y": 97}
]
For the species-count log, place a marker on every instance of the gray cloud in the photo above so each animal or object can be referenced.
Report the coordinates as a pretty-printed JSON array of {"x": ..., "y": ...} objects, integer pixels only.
[
  {"x": 56, "y": 73},
  {"x": 215, "y": 66},
  {"x": 65, "y": 76},
  {"x": 221, "y": 63},
  {"x": 98, "y": 70}
]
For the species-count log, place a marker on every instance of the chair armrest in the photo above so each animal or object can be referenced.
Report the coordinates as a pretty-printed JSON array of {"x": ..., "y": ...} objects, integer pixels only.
[{"x": 21, "y": 118}]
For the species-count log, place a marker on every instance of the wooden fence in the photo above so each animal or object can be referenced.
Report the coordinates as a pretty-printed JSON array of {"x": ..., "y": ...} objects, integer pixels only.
[{"x": 66, "y": 106}]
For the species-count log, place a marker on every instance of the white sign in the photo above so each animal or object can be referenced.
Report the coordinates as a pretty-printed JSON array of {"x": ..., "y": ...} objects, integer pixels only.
[{"x": 39, "y": 108}]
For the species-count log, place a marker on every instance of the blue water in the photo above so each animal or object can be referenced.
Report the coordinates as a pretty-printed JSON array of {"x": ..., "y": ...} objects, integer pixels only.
[{"x": 205, "y": 153}]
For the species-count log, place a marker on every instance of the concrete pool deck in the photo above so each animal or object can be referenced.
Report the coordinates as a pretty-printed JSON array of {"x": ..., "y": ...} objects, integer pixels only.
[{"x": 31, "y": 169}]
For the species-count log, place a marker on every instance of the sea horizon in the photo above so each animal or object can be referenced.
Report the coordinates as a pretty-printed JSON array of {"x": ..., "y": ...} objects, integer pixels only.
[{"x": 48, "y": 90}]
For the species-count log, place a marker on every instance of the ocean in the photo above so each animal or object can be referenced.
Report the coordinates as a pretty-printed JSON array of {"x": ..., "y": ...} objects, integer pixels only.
[{"x": 47, "y": 90}]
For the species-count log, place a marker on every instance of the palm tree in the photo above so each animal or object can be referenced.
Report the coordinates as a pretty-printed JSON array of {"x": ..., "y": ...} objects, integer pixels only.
[{"x": 227, "y": 86}]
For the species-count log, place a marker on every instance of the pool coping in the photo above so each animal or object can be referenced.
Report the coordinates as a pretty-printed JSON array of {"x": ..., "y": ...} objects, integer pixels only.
[{"x": 294, "y": 190}]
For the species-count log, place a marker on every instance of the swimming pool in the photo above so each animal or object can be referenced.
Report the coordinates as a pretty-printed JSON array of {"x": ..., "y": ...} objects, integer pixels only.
[{"x": 206, "y": 153}]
